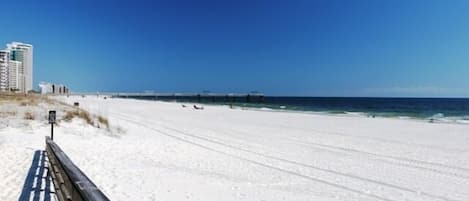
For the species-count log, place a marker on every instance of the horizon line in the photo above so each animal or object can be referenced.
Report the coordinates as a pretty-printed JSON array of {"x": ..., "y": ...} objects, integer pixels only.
[{"x": 263, "y": 94}]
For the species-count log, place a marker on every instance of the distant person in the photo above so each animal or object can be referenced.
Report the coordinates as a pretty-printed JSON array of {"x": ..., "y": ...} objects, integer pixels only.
[{"x": 198, "y": 107}]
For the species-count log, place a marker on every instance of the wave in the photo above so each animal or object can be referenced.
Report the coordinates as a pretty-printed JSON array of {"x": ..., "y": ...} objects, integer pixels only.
[
  {"x": 441, "y": 118},
  {"x": 433, "y": 118},
  {"x": 265, "y": 109}
]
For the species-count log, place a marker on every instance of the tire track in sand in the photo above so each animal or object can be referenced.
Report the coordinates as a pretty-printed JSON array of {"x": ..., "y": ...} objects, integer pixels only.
[{"x": 413, "y": 191}]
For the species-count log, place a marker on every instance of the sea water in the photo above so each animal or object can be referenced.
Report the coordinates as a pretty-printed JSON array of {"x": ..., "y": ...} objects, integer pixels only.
[{"x": 432, "y": 109}]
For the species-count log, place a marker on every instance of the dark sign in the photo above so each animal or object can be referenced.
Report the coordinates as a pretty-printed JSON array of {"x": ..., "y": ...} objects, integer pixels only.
[{"x": 52, "y": 116}]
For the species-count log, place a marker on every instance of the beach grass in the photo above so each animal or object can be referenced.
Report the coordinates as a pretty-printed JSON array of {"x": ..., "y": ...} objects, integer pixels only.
[
  {"x": 79, "y": 113},
  {"x": 36, "y": 105}
]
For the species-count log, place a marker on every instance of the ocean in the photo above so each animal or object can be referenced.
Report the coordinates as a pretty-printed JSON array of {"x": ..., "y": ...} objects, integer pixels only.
[{"x": 432, "y": 109}]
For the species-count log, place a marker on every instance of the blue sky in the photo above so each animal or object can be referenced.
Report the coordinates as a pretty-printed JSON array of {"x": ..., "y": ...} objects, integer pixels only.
[{"x": 301, "y": 48}]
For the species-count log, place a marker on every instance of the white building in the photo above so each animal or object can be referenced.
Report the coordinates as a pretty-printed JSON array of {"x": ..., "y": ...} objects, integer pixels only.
[
  {"x": 45, "y": 87},
  {"x": 4, "y": 60},
  {"x": 48, "y": 88},
  {"x": 15, "y": 76},
  {"x": 23, "y": 53}
]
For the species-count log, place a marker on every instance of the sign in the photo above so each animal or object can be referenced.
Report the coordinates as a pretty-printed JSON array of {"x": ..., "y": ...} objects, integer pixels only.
[{"x": 52, "y": 116}]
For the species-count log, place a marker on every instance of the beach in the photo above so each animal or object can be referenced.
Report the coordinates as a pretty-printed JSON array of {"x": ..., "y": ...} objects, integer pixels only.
[{"x": 156, "y": 150}]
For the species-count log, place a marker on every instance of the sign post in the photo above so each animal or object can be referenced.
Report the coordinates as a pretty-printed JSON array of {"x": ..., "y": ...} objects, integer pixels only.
[{"x": 52, "y": 122}]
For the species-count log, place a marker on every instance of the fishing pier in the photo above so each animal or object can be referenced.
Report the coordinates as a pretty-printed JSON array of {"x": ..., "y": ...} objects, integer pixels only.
[{"x": 187, "y": 97}]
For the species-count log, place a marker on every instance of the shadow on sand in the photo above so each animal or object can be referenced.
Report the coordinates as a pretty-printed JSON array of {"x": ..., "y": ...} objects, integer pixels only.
[{"x": 37, "y": 185}]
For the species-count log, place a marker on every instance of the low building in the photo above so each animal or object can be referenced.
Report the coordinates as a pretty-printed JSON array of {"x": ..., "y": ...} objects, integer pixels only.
[
  {"x": 45, "y": 88},
  {"x": 49, "y": 88}
]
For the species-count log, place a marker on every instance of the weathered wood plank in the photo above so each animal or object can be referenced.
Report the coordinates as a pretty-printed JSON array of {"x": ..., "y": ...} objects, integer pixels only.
[{"x": 71, "y": 182}]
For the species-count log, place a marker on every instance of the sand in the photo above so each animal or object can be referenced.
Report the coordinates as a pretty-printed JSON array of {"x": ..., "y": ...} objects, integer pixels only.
[{"x": 162, "y": 151}]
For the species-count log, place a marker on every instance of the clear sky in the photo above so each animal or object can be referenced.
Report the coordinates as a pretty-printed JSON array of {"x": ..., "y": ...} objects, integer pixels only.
[{"x": 302, "y": 48}]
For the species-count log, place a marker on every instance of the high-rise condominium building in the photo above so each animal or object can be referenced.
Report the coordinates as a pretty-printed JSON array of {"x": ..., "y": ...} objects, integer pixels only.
[
  {"x": 16, "y": 79},
  {"x": 23, "y": 53},
  {"x": 4, "y": 61}
]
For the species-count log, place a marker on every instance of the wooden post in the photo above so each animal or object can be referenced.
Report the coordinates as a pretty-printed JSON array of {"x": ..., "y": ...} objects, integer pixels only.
[{"x": 52, "y": 132}]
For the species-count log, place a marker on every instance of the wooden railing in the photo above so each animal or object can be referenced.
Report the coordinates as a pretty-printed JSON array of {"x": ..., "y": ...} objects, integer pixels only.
[{"x": 70, "y": 183}]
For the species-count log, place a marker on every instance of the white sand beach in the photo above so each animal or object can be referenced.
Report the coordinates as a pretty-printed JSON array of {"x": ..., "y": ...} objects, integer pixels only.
[{"x": 162, "y": 151}]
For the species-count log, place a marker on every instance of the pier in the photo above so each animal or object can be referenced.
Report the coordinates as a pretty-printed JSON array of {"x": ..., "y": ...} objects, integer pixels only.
[{"x": 186, "y": 97}]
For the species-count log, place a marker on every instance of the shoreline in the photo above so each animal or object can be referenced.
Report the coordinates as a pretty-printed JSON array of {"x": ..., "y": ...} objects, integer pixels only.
[{"x": 436, "y": 119}]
